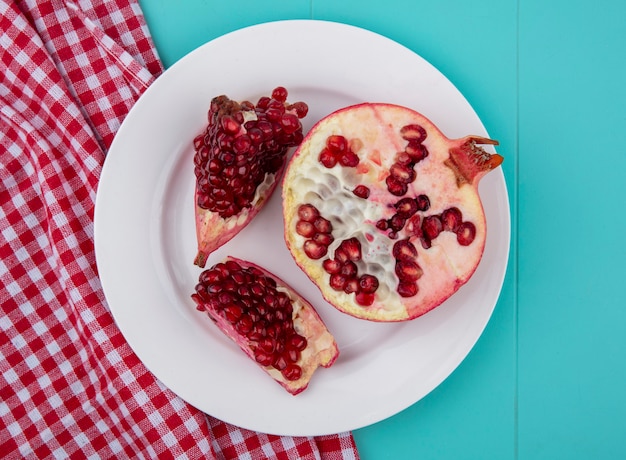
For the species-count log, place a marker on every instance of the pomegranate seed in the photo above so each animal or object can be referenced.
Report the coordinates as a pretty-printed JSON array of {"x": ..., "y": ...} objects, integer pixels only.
[
  {"x": 296, "y": 342},
  {"x": 351, "y": 286},
  {"x": 349, "y": 269},
  {"x": 323, "y": 238},
  {"x": 352, "y": 249},
  {"x": 466, "y": 233},
  {"x": 290, "y": 123},
  {"x": 402, "y": 173},
  {"x": 322, "y": 225},
  {"x": 395, "y": 187},
  {"x": 337, "y": 281},
  {"x": 280, "y": 94},
  {"x": 279, "y": 361},
  {"x": 337, "y": 143},
  {"x": 382, "y": 224},
  {"x": 451, "y": 219},
  {"x": 415, "y": 151},
  {"x": 308, "y": 212},
  {"x": 263, "y": 102},
  {"x": 406, "y": 207},
  {"x": 230, "y": 125},
  {"x": 413, "y": 132},
  {"x": 300, "y": 108},
  {"x": 327, "y": 158},
  {"x": 403, "y": 250},
  {"x": 331, "y": 266},
  {"x": 263, "y": 358},
  {"x": 232, "y": 312},
  {"x": 423, "y": 203},
  {"x": 244, "y": 325},
  {"x": 408, "y": 270},
  {"x": 305, "y": 229},
  {"x": 365, "y": 299},
  {"x": 368, "y": 284},
  {"x": 432, "y": 227},
  {"x": 314, "y": 250},
  {"x": 407, "y": 289},
  {"x": 397, "y": 222},
  {"x": 349, "y": 159},
  {"x": 292, "y": 372},
  {"x": 361, "y": 191}
]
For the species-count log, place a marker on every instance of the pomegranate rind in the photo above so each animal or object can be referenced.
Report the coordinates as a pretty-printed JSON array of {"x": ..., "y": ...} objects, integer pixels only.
[
  {"x": 373, "y": 130},
  {"x": 321, "y": 350}
]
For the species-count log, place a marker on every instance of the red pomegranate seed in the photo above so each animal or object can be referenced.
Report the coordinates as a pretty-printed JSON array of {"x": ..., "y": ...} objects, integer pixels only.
[
  {"x": 466, "y": 233},
  {"x": 349, "y": 269},
  {"x": 279, "y": 361},
  {"x": 232, "y": 312},
  {"x": 408, "y": 270},
  {"x": 290, "y": 123},
  {"x": 322, "y": 225},
  {"x": 305, "y": 229},
  {"x": 323, "y": 238},
  {"x": 413, "y": 132},
  {"x": 365, "y": 299},
  {"x": 423, "y": 203},
  {"x": 296, "y": 342},
  {"x": 337, "y": 143},
  {"x": 402, "y": 173},
  {"x": 301, "y": 109},
  {"x": 368, "y": 284},
  {"x": 263, "y": 358},
  {"x": 406, "y": 207},
  {"x": 396, "y": 187},
  {"x": 432, "y": 227},
  {"x": 404, "y": 250},
  {"x": 416, "y": 151},
  {"x": 337, "y": 281},
  {"x": 331, "y": 266},
  {"x": 351, "y": 286},
  {"x": 407, "y": 289},
  {"x": 280, "y": 94},
  {"x": 314, "y": 250},
  {"x": 292, "y": 372},
  {"x": 451, "y": 219},
  {"x": 327, "y": 158},
  {"x": 349, "y": 159},
  {"x": 361, "y": 191},
  {"x": 351, "y": 248},
  {"x": 308, "y": 212}
]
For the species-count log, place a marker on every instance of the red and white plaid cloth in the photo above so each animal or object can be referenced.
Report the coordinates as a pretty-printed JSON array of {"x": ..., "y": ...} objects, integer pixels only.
[{"x": 70, "y": 386}]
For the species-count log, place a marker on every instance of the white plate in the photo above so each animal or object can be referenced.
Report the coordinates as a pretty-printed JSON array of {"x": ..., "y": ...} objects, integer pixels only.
[{"x": 145, "y": 235}]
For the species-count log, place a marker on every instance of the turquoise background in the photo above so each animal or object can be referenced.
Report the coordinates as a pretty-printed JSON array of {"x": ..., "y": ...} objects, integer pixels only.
[{"x": 547, "y": 379}]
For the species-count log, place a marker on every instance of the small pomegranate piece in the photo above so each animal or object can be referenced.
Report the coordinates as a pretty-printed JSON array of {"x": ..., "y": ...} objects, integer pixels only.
[
  {"x": 406, "y": 227},
  {"x": 270, "y": 322},
  {"x": 238, "y": 159}
]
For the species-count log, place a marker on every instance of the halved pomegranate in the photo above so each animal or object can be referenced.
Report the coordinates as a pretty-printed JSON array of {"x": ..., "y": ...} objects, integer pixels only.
[
  {"x": 270, "y": 322},
  {"x": 382, "y": 210},
  {"x": 238, "y": 160}
]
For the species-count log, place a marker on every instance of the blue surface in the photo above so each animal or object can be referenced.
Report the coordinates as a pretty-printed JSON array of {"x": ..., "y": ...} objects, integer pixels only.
[{"x": 546, "y": 379}]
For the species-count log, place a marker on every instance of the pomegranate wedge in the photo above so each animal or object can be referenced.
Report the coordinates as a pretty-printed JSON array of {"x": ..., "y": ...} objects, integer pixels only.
[
  {"x": 238, "y": 160},
  {"x": 269, "y": 321},
  {"x": 382, "y": 210}
]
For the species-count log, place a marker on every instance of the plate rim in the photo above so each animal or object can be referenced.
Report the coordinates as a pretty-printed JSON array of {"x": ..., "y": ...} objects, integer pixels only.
[{"x": 189, "y": 57}]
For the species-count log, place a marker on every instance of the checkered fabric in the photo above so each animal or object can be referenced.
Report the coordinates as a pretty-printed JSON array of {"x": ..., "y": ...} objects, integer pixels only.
[{"x": 70, "y": 386}]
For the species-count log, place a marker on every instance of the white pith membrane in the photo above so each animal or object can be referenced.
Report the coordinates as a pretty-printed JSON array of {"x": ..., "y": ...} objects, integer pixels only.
[{"x": 446, "y": 264}]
